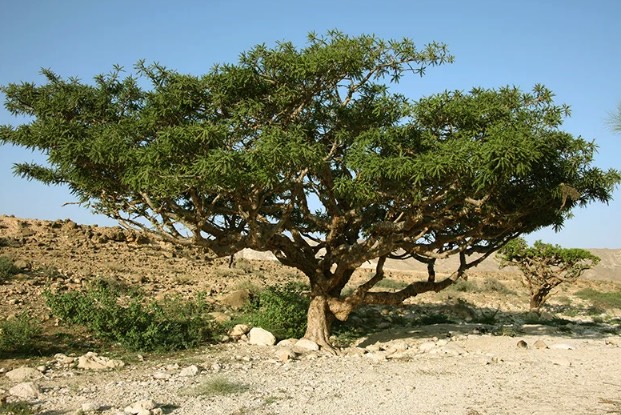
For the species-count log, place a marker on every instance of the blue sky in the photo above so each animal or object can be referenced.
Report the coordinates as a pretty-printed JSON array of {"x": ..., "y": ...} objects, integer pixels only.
[{"x": 572, "y": 47}]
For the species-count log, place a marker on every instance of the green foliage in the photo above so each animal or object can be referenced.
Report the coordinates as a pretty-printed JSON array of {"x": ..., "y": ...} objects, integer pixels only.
[
  {"x": 19, "y": 334},
  {"x": 604, "y": 300},
  {"x": 280, "y": 310},
  {"x": 545, "y": 266},
  {"x": 7, "y": 268},
  {"x": 313, "y": 141},
  {"x": 16, "y": 408},
  {"x": 170, "y": 324}
]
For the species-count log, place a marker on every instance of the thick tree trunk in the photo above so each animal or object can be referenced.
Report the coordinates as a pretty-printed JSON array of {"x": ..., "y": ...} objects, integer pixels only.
[
  {"x": 538, "y": 299},
  {"x": 319, "y": 322}
]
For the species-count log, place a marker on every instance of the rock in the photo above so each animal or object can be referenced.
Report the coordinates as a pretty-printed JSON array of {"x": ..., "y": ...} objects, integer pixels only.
[
  {"x": 454, "y": 350},
  {"x": 540, "y": 344},
  {"x": 287, "y": 343},
  {"x": 522, "y": 344},
  {"x": 285, "y": 354},
  {"x": 26, "y": 390},
  {"x": 161, "y": 375},
  {"x": 92, "y": 361},
  {"x": 91, "y": 407},
  {"x": 306, "y": 345},
  {"x": 236, "y": 299},
  {"x": 239, "y": 330},
  {"x": 189, "y": 371},
  {"x": 261, "y": 337},
  {"x": 64, "y": 360},
  {"x": 143, "y": 407},
  {"x": 24, "y": 374}
]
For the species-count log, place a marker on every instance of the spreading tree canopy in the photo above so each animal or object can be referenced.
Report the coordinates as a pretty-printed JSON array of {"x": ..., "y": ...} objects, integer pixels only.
[{"x": 310, "y": 153}]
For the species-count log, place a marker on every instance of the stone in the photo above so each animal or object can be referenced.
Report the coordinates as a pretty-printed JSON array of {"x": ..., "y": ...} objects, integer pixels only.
[
  {"x": 261, "y": 337},
  {"x": 189, "y": 371},
  {"x": 64, "y": 360},
  {"x": 306, "y": 345},
  {"x": 143, "y": 407},
  {"x": 92, "y": 361},
  {"x": 239, "y": 330},
  {"x": 522, "y": 344},
  {"x": 161, "y": 375},
  {"x": 26, "y": 390},
  {"x": 454, "y": 350},
  {"x": 24, "y": 374},
  {"x": 540, "y": 344}
]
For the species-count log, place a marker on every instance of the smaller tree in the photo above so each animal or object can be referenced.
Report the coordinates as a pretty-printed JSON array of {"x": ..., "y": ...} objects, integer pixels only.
[{"x": 545, "y": 266}]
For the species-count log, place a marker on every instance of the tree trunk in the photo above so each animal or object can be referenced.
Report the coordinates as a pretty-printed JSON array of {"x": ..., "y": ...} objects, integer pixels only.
[
  {"x": 538, "y": 299},
  {"x": 319, "y": 323}
]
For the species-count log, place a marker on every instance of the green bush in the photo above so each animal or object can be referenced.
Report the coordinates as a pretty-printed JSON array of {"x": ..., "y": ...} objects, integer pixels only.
[
  {"x": 280, "y": 310},
  {"x": 16, "y": 408},
  {"x": 603, "y": 300},
  {"x": 19, "y": 334},
  {"x": 170, "y": 324},
  {"x": 7, "y": 268}
]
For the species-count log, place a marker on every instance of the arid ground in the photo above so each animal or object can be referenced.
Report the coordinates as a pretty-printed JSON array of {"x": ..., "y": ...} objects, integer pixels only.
[{"x": 471, "y": 349}]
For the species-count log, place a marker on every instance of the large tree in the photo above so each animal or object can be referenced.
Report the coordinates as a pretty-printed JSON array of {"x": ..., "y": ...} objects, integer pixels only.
[{"x": 310, "y": 154}]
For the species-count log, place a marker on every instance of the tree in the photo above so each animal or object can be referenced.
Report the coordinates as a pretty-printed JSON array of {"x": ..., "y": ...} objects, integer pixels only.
[
  {"x": 615, "y": 120},
  {"x": 545, "y": 266},
  {"x": 310, "y": 154}
]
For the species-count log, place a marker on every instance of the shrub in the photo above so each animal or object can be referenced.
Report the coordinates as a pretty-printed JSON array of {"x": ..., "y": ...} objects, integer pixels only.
[
  {"x": 16, "y": 408},
  {"x": 171, "y": 324},
  {"x": 280, "y": 310},
  {"x": 19, "y": 334},
  {"x": 7, "y": 268}
]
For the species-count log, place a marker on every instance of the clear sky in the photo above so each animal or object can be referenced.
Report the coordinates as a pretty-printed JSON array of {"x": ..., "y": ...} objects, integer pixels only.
[{"x": 571, "y": 46}]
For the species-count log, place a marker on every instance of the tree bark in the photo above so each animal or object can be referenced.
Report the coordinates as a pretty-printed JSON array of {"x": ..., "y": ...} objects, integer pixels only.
[{"x": 319, "y": 323}]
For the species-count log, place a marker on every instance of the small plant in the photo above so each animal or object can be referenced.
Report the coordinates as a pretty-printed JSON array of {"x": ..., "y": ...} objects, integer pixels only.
[
  {"x": 218, "y": 386},
  {"x": 280, "y": 310},
  {"x": 492, "y": 284},
  {"x": 7, "y": 268},
  {"x": 170, "y": 324},
  {"x": 19, "y": 334},
  {"x": 16, "y": 408}
]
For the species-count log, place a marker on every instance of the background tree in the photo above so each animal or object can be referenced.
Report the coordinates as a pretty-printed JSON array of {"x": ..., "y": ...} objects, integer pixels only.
[
  {"x": 307, "y": 153},
  {"x": 615, "y": 120},
  {"x": 545, "y": 266}
]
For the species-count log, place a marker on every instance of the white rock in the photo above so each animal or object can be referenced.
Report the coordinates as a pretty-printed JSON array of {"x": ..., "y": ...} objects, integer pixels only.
[
  {"x": 239, "y": 330},
  {"x": 92, "y": 361},
  {"x": 189, "y": 371},
  {"x": 23, "y": 374},
  {"x": 261, "y": 337},
  {"x": 454, "y": 350},
  {"x": 143, "y": 407},
  {"x": 306, "y": 344},
  {"x": 161, "y": 375},
  {"x": 26, "y": 390},
  {"x": 287, "y": 343}
]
